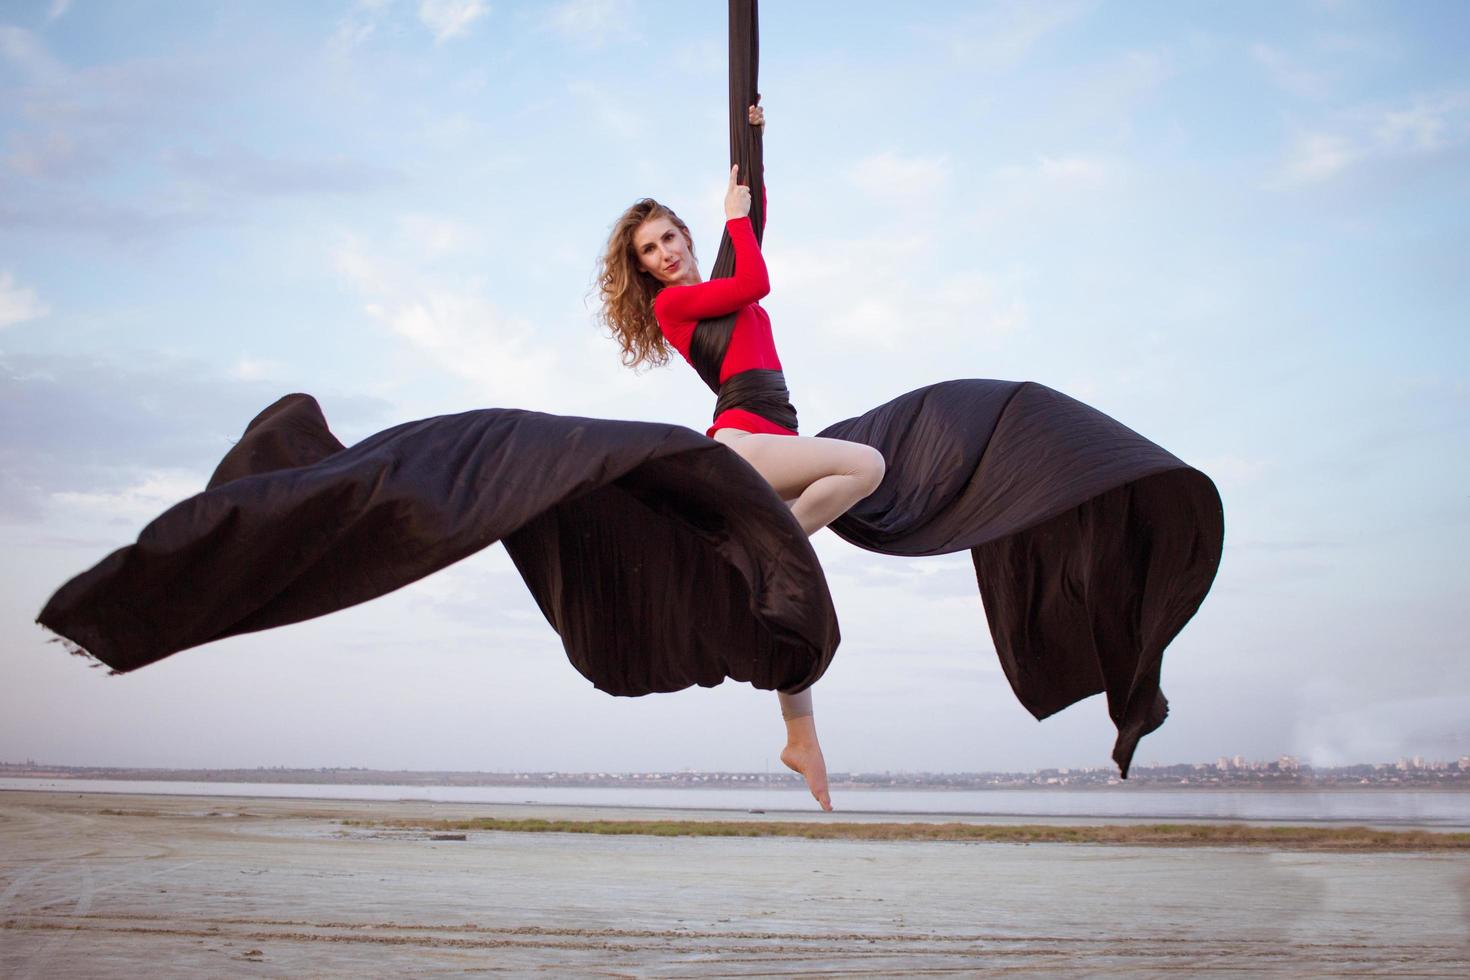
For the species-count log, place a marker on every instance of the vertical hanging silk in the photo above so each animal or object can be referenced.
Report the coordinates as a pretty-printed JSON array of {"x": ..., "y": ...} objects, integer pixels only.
[{"x": 712, "y": 337}]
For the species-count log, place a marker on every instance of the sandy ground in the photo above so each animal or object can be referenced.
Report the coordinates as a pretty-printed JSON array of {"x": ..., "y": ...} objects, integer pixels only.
[{"x": 198, "y": 887}]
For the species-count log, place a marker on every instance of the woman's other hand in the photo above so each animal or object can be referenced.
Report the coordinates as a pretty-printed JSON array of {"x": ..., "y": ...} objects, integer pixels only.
[
  {"x": 737, "y": 196},
  {"x": 757, "y": 116}
]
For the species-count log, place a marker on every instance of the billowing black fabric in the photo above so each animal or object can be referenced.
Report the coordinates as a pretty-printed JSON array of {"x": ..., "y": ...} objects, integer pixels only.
[
  {"x": 290, "y": 432},
  {"x": 661, "y": 558},
  {"x": 761, "y": 391},
  {"x": 664, "y": 560},
  {"x": 1092, "y": 546}
]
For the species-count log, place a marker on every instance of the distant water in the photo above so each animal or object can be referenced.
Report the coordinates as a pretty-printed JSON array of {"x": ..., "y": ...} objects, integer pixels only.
[{"x": 1430, "y": 808}]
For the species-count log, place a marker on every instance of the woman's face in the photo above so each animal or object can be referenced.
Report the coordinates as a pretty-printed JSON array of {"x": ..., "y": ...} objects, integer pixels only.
[{"x": 663, "y": 250}]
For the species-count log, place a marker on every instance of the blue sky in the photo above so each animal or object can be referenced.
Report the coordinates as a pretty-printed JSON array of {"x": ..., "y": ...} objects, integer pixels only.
[{"x": 1237, "y": 228}]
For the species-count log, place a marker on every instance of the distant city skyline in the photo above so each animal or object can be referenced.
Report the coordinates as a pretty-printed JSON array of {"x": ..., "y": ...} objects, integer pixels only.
[{"x": 1284, "y": 763}]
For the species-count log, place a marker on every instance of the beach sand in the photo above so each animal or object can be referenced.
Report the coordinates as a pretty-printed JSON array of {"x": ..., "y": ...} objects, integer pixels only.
[{"x": 103, "y": 885}]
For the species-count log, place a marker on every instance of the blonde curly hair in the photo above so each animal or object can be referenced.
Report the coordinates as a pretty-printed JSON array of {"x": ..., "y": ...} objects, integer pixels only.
[{"x": 628, "y": 290}]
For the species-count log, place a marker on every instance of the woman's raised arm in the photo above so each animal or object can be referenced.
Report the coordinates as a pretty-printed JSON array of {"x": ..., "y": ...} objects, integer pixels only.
[{"x": 718, "y": 297}]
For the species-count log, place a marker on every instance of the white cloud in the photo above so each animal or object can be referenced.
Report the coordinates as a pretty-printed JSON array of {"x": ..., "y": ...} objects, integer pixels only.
[
  {"x": 141, "y": 501},
  {"x": 1288, "y": 74},
  {"x": 618, "y": 117},
  {"x": 1114, "y": 87},
  {"x": 433, "y": 235},
  {"x": 58, "y": 10},
  {"x": 895, "y": 179},
  {"x": 23, "y": 50},
  {"x": 236, "y": 169},
  {"x": 1426, "y": 124},
  {"x": 18, "y": 304},
  {"x": 1061, "y": 183},
  {"x": 445, "y": 19},
  {"x": 1374, "y": 47},
  {"x": 74, "y": 124},
  {"x": 52, "y": 153},
  {"x": 1423, "y": 127},
  {"x": 1004, "y": 34},
  {"x": 365, "y": 271},
  {"x": 1232, "y": 470},
  {"x": 705, "y": 56},
  {"x": 356, "y": 26},
  {"x": 903, "y": 296},
  {"x": 1343, "y": 725},
  {"x": 455, "y": 327},
  {"x": 256, "y": 369},
  {"x": 593, "y": 23},
  {"x": 1317, "y": 156},
  {"x": 450, "y": 18},
  {"x": 1074, "y": 171},
  {"x": 1050, "y": 174}
]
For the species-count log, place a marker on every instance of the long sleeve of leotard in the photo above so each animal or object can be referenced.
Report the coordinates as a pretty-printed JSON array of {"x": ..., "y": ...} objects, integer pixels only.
[{"x": 720, "y": 296}]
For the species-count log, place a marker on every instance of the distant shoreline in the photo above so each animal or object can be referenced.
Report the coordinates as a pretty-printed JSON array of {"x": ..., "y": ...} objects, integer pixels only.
[
  {"x": 680, "y": 806},
  {"x": 1127, "y": 786}
]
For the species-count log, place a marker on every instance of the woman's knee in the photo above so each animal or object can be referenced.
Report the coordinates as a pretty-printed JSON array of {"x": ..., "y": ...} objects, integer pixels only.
[{"x": 867, "y": 467}]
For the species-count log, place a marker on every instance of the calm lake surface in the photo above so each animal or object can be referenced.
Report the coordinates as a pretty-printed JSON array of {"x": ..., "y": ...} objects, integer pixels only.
[{"x": 1427, "y": 808}]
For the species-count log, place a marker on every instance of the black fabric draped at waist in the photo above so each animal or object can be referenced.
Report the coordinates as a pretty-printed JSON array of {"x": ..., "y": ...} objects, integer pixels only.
[{"x": 761, "y": 391}]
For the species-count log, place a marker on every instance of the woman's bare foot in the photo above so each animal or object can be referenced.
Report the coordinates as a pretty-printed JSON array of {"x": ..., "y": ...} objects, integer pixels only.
[{"x": 804, "y": 755}]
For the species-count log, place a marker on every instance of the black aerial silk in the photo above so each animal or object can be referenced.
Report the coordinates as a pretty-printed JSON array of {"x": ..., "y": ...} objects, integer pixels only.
[{"x": 662, "y": 559}]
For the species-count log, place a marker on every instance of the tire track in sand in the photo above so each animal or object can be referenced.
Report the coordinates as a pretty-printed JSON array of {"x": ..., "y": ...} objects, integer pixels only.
[{"x": 33, "y": 966}]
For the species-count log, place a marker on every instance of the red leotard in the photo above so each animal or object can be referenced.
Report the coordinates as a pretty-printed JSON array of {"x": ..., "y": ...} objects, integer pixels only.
[{"x": 679, "y": 309}]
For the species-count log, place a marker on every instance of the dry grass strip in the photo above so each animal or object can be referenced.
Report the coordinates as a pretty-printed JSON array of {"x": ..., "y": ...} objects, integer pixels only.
[{"x": 1158, "y": 834}]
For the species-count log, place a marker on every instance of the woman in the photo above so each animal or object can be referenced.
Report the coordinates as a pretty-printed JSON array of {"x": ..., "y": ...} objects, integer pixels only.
[{"x": 653, "y": 298}]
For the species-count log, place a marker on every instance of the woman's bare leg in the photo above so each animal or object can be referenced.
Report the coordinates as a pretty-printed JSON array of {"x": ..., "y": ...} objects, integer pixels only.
[
  {"x": 822, "y": 477},
  {"x": 819, "y": 479}
]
